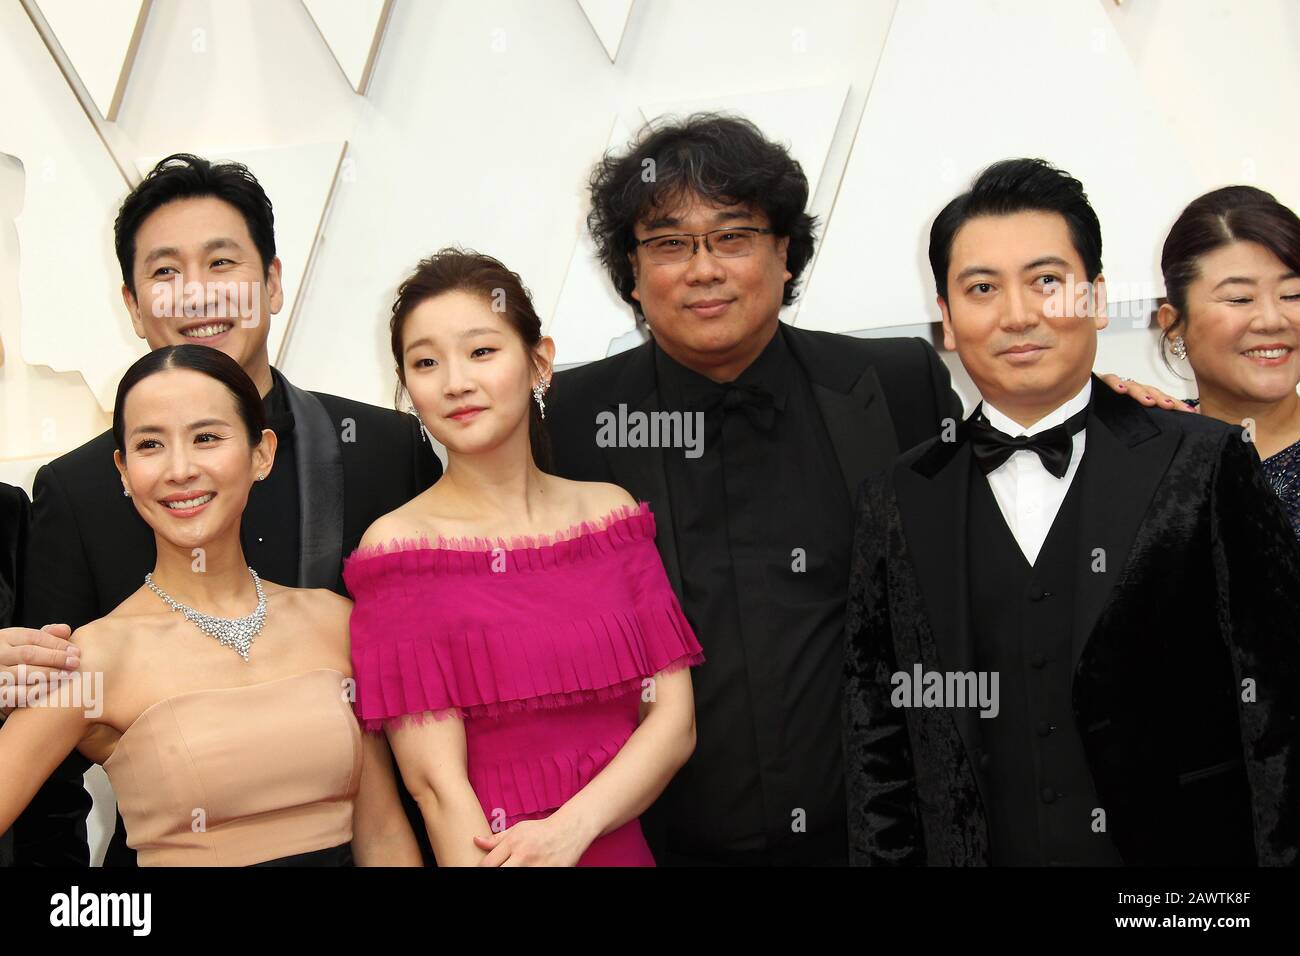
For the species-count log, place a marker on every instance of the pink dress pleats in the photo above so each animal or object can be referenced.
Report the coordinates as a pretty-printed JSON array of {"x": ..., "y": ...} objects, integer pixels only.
[{"x": 544, "y": 647}]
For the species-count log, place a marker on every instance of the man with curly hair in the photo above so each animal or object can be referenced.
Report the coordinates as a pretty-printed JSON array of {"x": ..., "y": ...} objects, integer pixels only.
[{"x": 703, "y": 230}]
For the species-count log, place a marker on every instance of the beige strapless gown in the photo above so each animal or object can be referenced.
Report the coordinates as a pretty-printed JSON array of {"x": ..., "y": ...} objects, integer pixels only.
[{"x": 241, "y": 775}]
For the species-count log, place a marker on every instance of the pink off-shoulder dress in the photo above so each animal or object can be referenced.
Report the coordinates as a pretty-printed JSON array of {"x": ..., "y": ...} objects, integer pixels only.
[{"x": 542, "y": 647}]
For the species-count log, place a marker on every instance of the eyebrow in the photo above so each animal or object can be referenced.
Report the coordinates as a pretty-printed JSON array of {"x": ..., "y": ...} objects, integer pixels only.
[
  {"x": 970, "y": 271},
  {"x": 1038, "y": 263},
  {"x": 721, "y": 216},
  {"x": 468, "y": 333},
  {"x": 193, "y": 426},
  {"x": 1234, "y": 280},
  {"x": 221, "y": 242},
  {"x": 1045, "y": 261}
]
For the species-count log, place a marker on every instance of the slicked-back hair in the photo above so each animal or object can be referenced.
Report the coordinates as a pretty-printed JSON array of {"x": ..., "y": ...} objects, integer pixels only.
[
  {"x": 716, "y": 157},
  {"x": 205, "y": 360},
  {"x": 1009, "y": 187}
]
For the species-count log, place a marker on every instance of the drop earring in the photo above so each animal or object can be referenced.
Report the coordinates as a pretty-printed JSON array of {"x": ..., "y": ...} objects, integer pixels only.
[
  {"x": 424, "y": 432},
  {"x": 538, "y": 391}
]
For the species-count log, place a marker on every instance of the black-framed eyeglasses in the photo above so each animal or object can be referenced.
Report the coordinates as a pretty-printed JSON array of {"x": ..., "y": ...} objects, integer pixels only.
[{"x": 729, "y": 243}]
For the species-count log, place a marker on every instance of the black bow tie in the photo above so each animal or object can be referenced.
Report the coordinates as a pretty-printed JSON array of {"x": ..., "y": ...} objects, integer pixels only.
[
  {"x": 280, "y": 422},
  {"x": 1054, "y": 446},
  {"x": 754, "y": 400}
]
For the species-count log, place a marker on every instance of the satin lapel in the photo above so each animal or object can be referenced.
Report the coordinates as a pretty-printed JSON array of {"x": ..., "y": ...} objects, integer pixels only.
[
  {"x": 860, "y": 428},
  {"x": 320, "y": 489},
  {"x": 641, "y": 470},
  {"x": 1124, "y": 458},
  {"x": 932, "y": 500}
]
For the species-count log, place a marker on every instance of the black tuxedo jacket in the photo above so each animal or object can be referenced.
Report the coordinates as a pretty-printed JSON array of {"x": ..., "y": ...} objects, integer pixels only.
[
  {"x": 876, "y": 396},
  {"x": 1200, "y": 592},
  {"x": 15, "y": 511},
  {"x": 89, "y": 550}
]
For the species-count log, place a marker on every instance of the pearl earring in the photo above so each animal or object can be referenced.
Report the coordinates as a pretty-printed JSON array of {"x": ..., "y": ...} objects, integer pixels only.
[
  {"x": 126, "y": 493},
  {"x": 1179, "y": 348}
]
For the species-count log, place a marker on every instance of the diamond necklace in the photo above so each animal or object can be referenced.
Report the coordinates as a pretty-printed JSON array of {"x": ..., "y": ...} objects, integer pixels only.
[{"x": 236, "y": 632}]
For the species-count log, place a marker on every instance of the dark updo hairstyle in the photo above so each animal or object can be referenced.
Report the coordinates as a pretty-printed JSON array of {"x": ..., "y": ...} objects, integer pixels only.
[
  {"x": 198, "y": 358},
  {"x": 1219, "y": 218},
  {"x": 452, "y": 269},
  {"x": 720, "y": 158}
]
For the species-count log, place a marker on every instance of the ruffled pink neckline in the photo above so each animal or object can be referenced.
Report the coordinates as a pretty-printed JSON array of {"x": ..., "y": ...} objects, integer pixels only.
[{"x": 517, "y": 543}]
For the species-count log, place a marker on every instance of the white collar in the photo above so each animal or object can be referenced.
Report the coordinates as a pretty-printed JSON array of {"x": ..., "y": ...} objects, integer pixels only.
[{"x": 1062, "y": 412}]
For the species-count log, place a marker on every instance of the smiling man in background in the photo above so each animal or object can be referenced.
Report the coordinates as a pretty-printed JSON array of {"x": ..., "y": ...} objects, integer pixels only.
[{"x": 196, "y": 245}]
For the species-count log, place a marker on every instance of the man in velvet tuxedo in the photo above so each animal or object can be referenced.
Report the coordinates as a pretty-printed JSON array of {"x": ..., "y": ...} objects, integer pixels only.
[
  {"x": 196, "y": 244},
  {"x": 1125, "y": 573}
]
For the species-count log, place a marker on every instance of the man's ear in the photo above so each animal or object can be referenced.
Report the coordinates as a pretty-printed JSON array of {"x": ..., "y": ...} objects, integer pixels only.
[
  {"x": 1101, "y": 317},
  {"x": 133, "y": 310},
  {"x": 274, "y": 287},
  {"x": 636, "y": 276},
  {"x": 949, "y": 340},
  {"x": 783, "y": 250}
]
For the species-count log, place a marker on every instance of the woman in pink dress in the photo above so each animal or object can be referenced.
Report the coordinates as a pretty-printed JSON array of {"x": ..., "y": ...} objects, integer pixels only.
[{"x": 531, "y": 610}]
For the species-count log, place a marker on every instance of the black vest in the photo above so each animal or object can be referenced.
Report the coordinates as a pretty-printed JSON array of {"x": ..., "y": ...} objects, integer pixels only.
[{"x": 1039, "y": 796}]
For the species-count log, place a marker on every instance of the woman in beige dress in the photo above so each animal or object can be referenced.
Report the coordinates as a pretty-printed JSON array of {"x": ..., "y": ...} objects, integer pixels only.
[{"x": 218, "y": 704}]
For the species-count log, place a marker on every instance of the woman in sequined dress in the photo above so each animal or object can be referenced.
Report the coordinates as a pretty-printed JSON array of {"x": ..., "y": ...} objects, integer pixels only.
[{"x": 1231, "y": 266}]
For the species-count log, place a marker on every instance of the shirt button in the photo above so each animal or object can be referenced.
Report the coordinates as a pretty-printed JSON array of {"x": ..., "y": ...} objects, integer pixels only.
[
  {"x": 1038, "y": 659},
  {"x": 1048, "y": 794},
  {"x": 1044, "y": 728}
]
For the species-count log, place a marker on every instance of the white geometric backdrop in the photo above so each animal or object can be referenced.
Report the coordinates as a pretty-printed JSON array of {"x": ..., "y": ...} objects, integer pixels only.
[{"x": 384, "y": 129}]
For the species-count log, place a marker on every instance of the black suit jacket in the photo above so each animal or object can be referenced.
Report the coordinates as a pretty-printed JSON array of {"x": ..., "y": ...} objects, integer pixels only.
[
  {"x": 1200, "y": 591},
  {"x": 15, "y": 511},
  {"x": 89, "y": 550},
  {"x": 876, "y": 396}
]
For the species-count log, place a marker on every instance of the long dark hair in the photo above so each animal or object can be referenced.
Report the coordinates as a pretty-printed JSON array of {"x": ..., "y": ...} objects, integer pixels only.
[
  {"x": 198, "y": 358},
  {"x": 453, "y": 269},
  {"x": 1219, "y": 218}
]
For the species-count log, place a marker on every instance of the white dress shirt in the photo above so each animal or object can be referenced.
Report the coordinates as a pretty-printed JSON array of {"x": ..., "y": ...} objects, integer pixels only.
[{"x": 1027, "y": 493}]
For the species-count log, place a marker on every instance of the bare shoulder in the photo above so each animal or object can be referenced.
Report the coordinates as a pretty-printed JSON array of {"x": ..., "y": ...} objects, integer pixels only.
[
  {"x": 100, "y": 642},
  {"x": 598, "y": 498},
  {"x": 318, "y": 611},
  {"x": 383, "y": 530},
  {"x": 401, "y": 524},
  {"x": 316, "y": 604}
]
